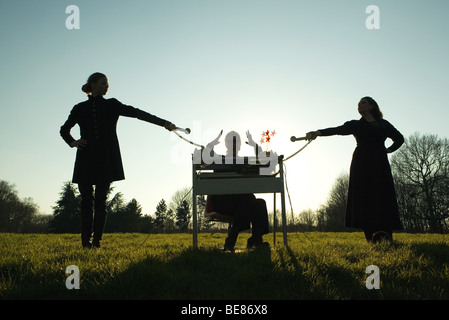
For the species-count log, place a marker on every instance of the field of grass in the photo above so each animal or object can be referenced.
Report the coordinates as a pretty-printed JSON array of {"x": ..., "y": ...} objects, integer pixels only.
[{"x": 165, "y": 266}]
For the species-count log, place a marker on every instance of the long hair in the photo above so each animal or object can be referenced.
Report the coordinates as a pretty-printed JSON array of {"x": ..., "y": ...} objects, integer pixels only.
[
  {"x": 94, "y": 77},
  {"x": 375, "y": 112}
]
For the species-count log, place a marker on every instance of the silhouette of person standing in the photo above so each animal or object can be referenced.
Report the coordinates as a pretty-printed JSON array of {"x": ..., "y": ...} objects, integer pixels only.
[
  {"x": 371, "y": 204},
  {"x": 98, "y": 160}
]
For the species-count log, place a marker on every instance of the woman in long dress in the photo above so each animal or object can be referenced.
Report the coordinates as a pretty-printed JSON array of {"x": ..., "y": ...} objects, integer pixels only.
[{"x": 371, "y": 204}]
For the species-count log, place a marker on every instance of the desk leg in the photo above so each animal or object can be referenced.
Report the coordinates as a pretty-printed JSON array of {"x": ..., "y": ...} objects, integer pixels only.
[
  {"x": 274, "y": 219},
  {"x": 284, "y": 218},
  {"x": 195, "y": 221}
]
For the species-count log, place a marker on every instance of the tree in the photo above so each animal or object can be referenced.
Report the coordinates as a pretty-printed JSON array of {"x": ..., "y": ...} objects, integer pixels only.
[
  {"x": 421, "y": 171},
  {"x": 146, "y": 224},
  {"x": 160, "y": 216},
  {"x": 16, "y": 215},
  {"x": 66, "y": 213},
  {"x": 307, "y": 218},
  {"x": 178, "y": 197},
  {"x": 176, "y": 202},
  {"x": 115, "y": 208},
  {"x": 40, "y": 223},
  {"x": 203, "y": 222},
  {"x": 183, "y": 216},
  {"x": 23, "y": 217},
  {"x": 331, "y": 216},
  {"x": 126, "y": 217},
  {"x": 8, "y": 203},
  {"x": 116, "y": 204},
  {"x": 131, "y": 216}
]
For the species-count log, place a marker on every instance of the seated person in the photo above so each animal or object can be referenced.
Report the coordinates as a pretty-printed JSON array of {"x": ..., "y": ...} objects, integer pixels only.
[{"x": 244, "y": 209}]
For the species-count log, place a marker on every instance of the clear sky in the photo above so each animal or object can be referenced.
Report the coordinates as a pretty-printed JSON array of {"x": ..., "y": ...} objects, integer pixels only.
[{"x": 287, "y": 65}]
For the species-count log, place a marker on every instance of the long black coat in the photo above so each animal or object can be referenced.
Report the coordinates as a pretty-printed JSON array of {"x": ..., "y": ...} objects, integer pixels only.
[
  {"x": 372, "y": 202},
  {"x": 100, "y": 161}
]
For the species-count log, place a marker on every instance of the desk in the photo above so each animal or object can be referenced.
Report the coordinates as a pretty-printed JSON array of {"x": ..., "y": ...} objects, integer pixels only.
[{"x": 209, "y": 183}]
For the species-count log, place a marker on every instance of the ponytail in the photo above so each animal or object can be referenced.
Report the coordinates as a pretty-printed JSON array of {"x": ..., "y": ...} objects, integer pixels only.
[{"x": 87, "y": 87}]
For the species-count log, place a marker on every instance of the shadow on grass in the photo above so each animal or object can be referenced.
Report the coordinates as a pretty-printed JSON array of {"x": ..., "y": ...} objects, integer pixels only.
[
  {"x": 210, "y": 274},
  {"x": 437, "y": 252},
  {"x": 197, "y": 274}
]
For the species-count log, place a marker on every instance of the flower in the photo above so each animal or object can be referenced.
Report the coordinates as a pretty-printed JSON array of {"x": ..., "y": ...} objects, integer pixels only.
[{"x": 266, "y": 137}]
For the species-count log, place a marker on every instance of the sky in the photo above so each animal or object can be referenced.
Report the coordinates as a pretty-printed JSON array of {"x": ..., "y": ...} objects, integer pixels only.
[{"x": 292, "y": 66}]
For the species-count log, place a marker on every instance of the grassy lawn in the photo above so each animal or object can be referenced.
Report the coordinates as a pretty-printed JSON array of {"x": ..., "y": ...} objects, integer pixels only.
[{"x": 165, "y": 266}]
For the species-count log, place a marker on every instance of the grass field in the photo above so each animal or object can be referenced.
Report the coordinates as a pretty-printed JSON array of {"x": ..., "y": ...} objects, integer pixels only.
[{"x": 165, "y": 266}]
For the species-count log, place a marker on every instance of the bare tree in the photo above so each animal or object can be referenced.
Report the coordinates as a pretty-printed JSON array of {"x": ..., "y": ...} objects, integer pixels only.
[
  {"x": 178, "y": 197},
  {"x": 331, "y": 216},
  {"x": 308, "y": 218},
  {"x": 421, "y": 171}
]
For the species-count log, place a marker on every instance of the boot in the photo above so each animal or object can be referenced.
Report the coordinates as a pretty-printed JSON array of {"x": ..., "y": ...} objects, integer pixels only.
[
  {"x": 98, "y": 227},
  {"x": 231, "y": 239},
  {"x": 382, "y": 236},
  {"x": 86, "y": 233},
  {"x": 256, "y": 241},
  {"x": 253, "y": 241},
  {"x": 87, "y": 212},
  {"x": 86, "y": 227}
]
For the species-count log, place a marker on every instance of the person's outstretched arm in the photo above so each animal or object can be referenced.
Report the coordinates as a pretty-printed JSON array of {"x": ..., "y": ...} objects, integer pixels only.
[
  {"x": 129, "y": 111},
  {"x": 346, "y": 129}
]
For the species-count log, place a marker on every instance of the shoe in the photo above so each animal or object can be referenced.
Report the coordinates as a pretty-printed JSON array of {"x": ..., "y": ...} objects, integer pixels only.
[
  {"x": 228, "y": 249},
  {"x": 87, "y": 245},
  {"x": 264, "y": 245},
  {"x": 96, "y": 244},
  {"x": 381, "y": 236},
  {"x": 254, "y": 241}
]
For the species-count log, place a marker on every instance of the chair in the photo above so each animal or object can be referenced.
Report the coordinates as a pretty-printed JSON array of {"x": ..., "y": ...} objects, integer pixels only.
[{"x": 216, "y": 216}]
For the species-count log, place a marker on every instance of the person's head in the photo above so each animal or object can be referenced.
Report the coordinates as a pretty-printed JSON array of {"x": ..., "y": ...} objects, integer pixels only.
[
  {"x": 96, "y": 85},
  {"x": 369, "y": 105},
  {"x": 232, "y": 143}
]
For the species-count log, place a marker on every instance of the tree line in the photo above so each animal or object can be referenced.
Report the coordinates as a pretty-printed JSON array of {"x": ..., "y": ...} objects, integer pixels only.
[
  {"x": 420, "y": 169},
  {"x": 22, "y": 216},
  {"x": 123, "y": 216}
]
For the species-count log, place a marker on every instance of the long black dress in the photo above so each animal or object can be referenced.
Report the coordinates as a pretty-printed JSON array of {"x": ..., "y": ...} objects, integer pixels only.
[{"x": 372, "y": 203}]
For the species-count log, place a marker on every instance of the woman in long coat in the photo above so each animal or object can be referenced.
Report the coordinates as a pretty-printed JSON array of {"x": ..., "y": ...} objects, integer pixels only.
[
  {"x": 371, "y": 204},
  {"x": 98, "y": 160}
]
